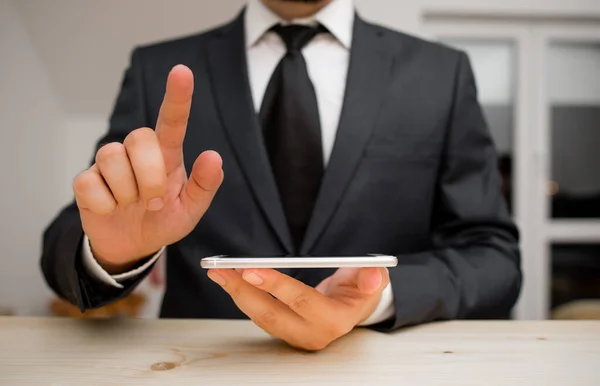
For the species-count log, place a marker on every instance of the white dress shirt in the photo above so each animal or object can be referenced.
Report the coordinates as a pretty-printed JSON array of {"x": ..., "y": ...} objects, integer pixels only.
[{"x": 327, "y": 57}]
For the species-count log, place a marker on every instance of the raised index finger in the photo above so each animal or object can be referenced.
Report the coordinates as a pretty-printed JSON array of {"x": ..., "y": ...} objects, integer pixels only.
[{"x": 173, "y": 116}]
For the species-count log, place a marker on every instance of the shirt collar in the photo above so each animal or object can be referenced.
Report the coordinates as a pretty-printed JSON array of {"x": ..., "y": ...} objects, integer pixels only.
[{"x": 337, "y": 17}]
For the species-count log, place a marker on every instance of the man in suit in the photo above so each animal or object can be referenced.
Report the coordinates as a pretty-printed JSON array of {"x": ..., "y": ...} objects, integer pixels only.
[{"x": 336, "y": 137}]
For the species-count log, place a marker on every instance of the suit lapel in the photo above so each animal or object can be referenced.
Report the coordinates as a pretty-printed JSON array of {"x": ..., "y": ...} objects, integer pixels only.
[
  {"x": 229, "y": 72},
  {"x": 369, "y": 74}
]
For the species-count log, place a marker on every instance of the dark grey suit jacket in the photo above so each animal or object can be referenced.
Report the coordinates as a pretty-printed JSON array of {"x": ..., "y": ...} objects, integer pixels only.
[{"x": 413, "y": 173}]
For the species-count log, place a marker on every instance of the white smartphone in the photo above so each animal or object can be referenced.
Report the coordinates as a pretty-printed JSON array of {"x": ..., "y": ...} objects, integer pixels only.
[{"x": 216, "y": 262}]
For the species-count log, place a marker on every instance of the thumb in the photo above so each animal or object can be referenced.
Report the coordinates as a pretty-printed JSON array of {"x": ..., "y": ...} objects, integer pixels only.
[
  {"x": 204, "y": 181},
  {"x": 369, "y": 280}
]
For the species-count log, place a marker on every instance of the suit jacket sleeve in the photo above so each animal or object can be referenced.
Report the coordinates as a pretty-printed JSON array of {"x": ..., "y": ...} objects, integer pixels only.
[
  {"x": 61, "y": 260},
  {"x": 473, "y": 268}
]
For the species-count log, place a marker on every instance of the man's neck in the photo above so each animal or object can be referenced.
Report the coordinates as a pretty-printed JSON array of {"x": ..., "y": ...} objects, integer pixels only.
[{"x": 289, "y": 10}]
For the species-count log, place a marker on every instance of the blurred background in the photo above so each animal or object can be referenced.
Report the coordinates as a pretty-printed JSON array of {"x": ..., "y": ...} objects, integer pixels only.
[{"x": 537, "y": 65}]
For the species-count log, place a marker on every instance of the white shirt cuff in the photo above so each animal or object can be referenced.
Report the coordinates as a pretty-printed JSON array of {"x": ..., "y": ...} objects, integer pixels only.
[
  {"x": 385, "y": 309},
  {"x": 97, "y": 272}
]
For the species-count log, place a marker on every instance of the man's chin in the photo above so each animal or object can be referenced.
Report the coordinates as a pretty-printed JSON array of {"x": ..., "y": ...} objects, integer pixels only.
[{"x": 300, "y": 1}]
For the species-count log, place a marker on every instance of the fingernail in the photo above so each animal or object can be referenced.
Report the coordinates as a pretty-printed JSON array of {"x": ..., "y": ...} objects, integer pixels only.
[
  {"x": 252, "y": 278},
  {"x": 214, "y": 276},
  {"x": 155, "y": 204}
]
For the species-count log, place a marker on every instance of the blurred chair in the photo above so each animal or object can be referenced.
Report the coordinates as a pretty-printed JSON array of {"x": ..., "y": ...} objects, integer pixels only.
[
  {"x": 575, "y": 284},
  {"x": 587, "y": 309},
  {"x": 130, "y": 306}
]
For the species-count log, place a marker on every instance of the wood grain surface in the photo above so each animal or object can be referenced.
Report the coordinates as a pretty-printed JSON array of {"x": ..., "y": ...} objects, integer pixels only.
[{"x": 61, "y": 352}]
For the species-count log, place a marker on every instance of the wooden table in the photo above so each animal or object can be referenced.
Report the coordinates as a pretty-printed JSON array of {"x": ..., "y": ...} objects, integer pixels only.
[{"x": 63, "y": 352}]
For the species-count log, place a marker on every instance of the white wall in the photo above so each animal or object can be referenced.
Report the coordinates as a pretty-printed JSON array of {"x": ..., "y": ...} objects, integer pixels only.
[
  {"x": 34, "y": 183},
  {"x": 61, "y": 63}
]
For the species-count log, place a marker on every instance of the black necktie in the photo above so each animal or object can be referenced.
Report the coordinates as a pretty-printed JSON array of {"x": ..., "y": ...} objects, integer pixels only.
[{"x": 292, "y": 132}]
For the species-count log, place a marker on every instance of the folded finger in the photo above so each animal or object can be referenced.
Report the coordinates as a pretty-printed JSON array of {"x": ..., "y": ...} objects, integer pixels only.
[
  {"x": 115, "y": 167},
  {"x": 148, "y": 166},
  {"x": 92, "y": 193}
]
